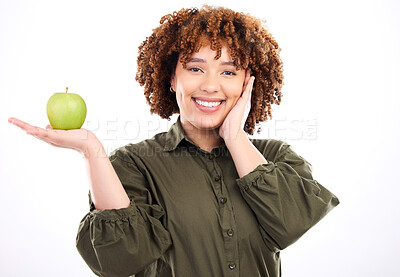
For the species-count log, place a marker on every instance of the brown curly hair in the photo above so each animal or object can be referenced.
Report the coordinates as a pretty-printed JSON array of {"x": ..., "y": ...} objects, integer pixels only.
[{"x": 249, "y": 42}]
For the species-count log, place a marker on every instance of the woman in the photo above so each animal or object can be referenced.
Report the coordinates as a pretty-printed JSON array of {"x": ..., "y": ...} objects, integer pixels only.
[{"x": 201, "y": 199}]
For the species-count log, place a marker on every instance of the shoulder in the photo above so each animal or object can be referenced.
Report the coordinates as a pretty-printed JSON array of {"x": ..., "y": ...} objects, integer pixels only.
[
  {"x": 280, "y": 151},
  {"x": 271, "y": 149},
  {"x": 133, "y": 151}
]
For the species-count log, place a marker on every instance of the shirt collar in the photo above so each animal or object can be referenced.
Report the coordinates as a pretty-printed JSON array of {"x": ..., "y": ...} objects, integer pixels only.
[{"x": 174, "y": 136}]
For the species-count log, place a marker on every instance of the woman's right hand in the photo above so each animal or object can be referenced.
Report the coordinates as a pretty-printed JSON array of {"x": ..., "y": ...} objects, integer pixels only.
[{"x": 78, "y": 139}]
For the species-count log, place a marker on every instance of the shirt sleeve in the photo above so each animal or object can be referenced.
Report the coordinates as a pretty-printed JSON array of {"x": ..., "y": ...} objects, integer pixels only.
[
  {"x": 285, "y": 198},
  {"x": 123, "y": 242}
]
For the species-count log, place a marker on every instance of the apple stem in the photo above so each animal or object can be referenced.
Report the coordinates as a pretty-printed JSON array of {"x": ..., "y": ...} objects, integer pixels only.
[{"x": 66, "y": 90}]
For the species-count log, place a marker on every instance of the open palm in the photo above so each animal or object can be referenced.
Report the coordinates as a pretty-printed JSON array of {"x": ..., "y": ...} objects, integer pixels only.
[
  {"x": 77, "y": 139},
  {"x": 236, "y": 118}
]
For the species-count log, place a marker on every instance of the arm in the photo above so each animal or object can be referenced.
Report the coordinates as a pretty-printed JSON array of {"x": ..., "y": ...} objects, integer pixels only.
[
  {"x": 285, "y": 198},
  {"x": 122, "y": 242},
  {"x": 245, "y": 156},
  {"x": 105, "y": 187},
  {"x": 120, "y": 237}
]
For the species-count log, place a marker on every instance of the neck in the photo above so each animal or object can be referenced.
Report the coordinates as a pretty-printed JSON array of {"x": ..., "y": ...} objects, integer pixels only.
[{"x": 206, "y": 139}]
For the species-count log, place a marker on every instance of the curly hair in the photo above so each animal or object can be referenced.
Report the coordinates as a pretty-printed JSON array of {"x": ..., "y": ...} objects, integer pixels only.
[{"x": 250, "y": 45}]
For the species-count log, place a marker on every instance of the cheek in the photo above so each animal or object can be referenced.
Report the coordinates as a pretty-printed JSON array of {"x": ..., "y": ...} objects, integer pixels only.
[
  {"x": 184, "y": 93},
  {"x": 183, "y": 101},
  {"x": 179, "y": 100},
  {"x": 237, "y": 84},
  {"x": 235, "y": 91}
]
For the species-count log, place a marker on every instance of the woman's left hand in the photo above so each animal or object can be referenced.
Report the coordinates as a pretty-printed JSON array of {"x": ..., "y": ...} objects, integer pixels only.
[{"x": 236, "y": 118}]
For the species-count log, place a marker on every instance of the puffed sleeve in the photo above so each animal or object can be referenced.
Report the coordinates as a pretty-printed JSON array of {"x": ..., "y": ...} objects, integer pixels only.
[
  {"x": 123, "y": 242},
  {"x": 285, "y": 198}
]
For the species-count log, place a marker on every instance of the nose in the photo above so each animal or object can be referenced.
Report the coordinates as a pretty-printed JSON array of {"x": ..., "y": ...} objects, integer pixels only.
[{"x": 211, "y": 83}]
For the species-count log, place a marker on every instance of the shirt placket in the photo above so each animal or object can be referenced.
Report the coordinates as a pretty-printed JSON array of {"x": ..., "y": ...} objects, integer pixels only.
[{"x": 227, "y": 219}]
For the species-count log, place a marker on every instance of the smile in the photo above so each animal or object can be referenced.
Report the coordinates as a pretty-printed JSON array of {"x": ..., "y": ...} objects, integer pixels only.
[{"x": 208, "y": 104}]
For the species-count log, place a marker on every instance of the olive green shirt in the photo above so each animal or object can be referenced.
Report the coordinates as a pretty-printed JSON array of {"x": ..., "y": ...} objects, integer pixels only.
[{"x": 191, "y": 214}]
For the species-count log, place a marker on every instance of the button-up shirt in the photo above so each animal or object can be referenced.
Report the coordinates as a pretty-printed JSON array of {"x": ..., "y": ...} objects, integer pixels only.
[{"x": 191, "y": 214}]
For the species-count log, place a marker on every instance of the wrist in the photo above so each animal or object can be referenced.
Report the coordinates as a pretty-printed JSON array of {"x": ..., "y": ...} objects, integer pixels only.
[
  {"x": 244, "y": 154},
  {"x": 93, "y": 148},
  {"x": 236, "y": 140}
]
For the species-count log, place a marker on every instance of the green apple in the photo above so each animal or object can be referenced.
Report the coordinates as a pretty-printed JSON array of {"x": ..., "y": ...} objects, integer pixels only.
[{"x": 66, "y": 111}]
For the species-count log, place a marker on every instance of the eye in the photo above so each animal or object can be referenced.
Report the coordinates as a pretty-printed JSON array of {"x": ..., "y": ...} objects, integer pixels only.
[
  {"x": 229, "y": 73},
  {"x": 194, "y": 69}
]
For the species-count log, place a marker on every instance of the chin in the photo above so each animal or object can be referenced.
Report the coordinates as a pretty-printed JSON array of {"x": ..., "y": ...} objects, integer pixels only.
[{"x": 209, "y": 124}]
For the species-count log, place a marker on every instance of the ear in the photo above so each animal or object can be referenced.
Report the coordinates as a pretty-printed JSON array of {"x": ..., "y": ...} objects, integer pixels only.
[{"x": 172, "y": 81}]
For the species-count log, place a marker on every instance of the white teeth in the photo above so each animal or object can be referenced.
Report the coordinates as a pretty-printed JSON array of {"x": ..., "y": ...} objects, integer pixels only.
[{"x": 207, "y": 104}]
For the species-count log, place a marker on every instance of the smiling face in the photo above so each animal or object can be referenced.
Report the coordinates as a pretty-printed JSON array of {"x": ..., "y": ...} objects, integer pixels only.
[{"x": 207, "y": 89}]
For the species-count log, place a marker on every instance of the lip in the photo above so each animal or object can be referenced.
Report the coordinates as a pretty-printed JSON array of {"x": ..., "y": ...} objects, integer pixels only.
[
  {"x": 207, "y": 99},
  {"x": 208, "y": 109}
]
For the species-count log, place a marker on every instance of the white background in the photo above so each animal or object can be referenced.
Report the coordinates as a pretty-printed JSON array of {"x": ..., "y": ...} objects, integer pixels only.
[{"x": 340, "y": 111}]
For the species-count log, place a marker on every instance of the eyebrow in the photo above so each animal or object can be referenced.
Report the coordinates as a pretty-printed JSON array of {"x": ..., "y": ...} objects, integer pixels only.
[{"x": 198, "y": 60}]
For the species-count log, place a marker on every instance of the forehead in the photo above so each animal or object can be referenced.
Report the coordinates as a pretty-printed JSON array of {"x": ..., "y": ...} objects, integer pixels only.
[
  {"x": 204, "y": 43},
  {"x": 204, "y": 47}
]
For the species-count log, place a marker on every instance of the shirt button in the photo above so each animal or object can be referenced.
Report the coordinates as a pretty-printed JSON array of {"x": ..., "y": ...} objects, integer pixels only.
[
  {"x": 217, "y": 178},
  {"x": 232, "y": 265},
  {"x": 223, "y": 200},
  {"x": 230, "y": 233},
  {"x": 211, "y": 157}
]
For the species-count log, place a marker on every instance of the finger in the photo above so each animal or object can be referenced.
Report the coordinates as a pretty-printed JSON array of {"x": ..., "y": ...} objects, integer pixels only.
[
  {"x": 249, "y": 92},
  {"x": 251, "y": 83},
  {"x": 249, "y": 88},
  {"x": 50, "y": 136},
  {"x": 49, "y": 141},
  {"x": 246, "y": 79},
  {"x": 37, "y": 131},
  {"x": 48, "y": 127},
  {"x": 19, "y": 123}
]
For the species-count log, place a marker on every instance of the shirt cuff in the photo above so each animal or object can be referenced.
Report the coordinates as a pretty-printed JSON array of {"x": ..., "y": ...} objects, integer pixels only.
[
  {"x": 115, "y": 214},
  {"x": 246, "y": 182}
]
